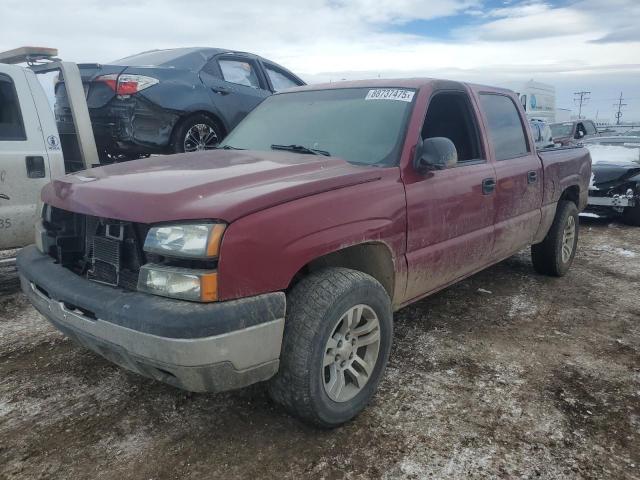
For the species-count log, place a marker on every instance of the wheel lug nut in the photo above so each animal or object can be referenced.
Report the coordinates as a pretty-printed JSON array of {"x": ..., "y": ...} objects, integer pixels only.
[
  {"x": 337, "y": 358},
  {"x": 351, "y": 356},
  {"x": 343, "y": 363},
  {"x": 340, "y": 344},
  {"x": 353, "y": 341}
]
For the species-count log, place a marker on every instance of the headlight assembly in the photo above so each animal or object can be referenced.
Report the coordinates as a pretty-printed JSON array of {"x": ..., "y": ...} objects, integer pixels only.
[
  {"x": 200, "y": 240},
  {"x": 176, "y": 282}
]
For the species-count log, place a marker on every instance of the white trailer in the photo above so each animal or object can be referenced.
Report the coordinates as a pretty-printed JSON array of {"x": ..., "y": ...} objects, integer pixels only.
[{"x": 538, "y": 99}]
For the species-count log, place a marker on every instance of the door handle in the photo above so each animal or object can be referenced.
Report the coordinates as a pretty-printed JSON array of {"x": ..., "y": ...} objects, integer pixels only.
[
  {"x": 488, "y": 186},
  {"x": 532, "y": 177},
  {"x": 35, "y": 167},
  {"x": 4, "y": 197},
  {"x": 221, "y": 90}
]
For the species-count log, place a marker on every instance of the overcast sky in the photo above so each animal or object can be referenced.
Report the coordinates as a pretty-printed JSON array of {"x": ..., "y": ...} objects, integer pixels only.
[{"x": 575, "y": 45}]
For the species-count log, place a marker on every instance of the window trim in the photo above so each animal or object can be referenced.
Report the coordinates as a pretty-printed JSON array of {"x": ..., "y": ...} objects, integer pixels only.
[
  {"x": 23, "y": 138},
  {"x": 271, "y": 66},
  {"x": 527, "y": 138},
  {"x": 262, "y": 84},
  {"x": 474, "y": 120}
]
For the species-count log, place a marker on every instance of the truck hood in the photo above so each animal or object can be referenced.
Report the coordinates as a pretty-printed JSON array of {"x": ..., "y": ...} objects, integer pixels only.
[{"x": 220, "y": 184}]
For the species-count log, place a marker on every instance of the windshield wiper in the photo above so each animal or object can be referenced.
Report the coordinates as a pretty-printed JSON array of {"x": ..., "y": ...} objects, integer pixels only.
[
  {"x": 229, "y": 147},
  {"x": 300, "y": 149}
]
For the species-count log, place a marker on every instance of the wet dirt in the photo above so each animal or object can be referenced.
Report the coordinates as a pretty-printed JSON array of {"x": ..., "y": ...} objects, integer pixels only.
[{"x": 507, "y": 374}]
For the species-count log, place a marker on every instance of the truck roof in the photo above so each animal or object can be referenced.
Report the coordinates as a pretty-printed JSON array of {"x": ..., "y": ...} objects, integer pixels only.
[{"x": 416, "y": 82}]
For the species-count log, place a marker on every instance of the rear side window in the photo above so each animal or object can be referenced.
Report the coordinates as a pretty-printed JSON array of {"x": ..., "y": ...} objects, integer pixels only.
[
  {"x": 279, "y": 79},
  {"x": 11, "y": 126},
  {"x": 240, "y": 72},
  {"x": 506, "y": 131}
]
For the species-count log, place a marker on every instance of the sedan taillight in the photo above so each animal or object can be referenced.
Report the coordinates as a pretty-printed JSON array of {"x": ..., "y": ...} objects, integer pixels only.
[{"x": 126, "y": 84}]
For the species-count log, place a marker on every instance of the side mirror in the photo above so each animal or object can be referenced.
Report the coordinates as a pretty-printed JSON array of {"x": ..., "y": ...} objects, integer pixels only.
[{"x": 435, "y": 153}]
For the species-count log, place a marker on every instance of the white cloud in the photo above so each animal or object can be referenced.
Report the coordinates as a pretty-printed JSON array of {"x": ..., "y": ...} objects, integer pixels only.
[{"x": 333, "y": 39}]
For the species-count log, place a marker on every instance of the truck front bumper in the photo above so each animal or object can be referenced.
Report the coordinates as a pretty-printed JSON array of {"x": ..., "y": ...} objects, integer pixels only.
[{"x": 196, "y": 347}]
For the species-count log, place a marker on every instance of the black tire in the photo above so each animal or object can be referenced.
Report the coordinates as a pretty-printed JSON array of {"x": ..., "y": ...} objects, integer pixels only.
[
  {"x": 314, "y": 306},
  {"x": 180, "y": 131},
  {"x": 631, "y": 215},
  {"x": 547, "y": 256}
]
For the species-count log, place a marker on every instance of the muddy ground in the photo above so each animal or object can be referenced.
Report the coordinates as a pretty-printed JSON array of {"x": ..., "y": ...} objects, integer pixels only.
[{"x": 540, "y": 378}]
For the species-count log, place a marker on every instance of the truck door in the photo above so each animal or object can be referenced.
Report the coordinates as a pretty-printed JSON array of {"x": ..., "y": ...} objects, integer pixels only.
[
  {"x": 24, "y": 168},
  {"x": 518, "y": 171},
  {"x": 450, "y": 212}
]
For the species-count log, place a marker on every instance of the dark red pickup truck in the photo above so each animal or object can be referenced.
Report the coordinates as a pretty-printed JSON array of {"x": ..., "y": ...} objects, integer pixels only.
[{"x": 282, "y": 255}]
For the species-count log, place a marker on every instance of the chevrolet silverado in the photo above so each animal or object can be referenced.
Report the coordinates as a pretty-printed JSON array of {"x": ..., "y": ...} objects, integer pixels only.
[{"x": 282, "y": 255}]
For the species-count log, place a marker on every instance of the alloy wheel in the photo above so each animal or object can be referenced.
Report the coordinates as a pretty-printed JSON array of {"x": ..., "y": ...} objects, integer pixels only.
[
  {"x": 351, "y": 353},
  {"x": 568, "y": 236},
  {"x": 200, "y": 137}
]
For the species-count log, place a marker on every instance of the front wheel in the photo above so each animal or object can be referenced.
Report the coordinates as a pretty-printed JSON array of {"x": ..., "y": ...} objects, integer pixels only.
[
  {"x": 338, "y": 335},
  {"x": 555, "y": 254}
]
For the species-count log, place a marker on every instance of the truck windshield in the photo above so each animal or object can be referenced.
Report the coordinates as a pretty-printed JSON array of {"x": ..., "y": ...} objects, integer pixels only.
[
  {"x": 561, "y": 129},
  {"x": 359, "y": 125}
]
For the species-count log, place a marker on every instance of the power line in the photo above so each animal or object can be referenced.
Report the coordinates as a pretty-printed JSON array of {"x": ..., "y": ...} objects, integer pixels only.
[
  {"x": 582, "y": 98},
  {"x": 619, "y": 112}
]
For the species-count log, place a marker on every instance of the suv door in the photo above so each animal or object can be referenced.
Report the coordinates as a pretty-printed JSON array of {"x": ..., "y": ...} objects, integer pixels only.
[
  {"x": 236, "y": 86},
  {"x": 24, "y": 168},
  {"x": 519, "y": 174},
  {"x": 450, "y": 212}
]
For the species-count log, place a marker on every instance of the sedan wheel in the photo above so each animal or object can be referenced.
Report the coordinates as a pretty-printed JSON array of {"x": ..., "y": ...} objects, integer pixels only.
[{"x": 200, "y": 137}]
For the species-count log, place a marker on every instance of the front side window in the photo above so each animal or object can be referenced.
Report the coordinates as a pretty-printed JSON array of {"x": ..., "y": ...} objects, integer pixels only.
[
  {"x": 450, "y": 115},
  {"x": 590, "y": 128},
  {"x": 359, "y": 125},
  {"x": 559, "y": 130},
  {"x": 11, "y": 126},
  {"x": 505, "y": 128},
  {"x": 240, "y": 72},
  {"x": 279, "y": 79}
]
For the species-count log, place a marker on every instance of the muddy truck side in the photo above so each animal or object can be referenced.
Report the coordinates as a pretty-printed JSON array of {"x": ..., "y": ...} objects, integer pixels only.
[{"x": 282, "y": 255}]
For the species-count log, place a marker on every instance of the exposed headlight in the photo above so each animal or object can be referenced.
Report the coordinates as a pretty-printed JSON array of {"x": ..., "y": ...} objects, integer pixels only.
[
  {"x": 189, "y": 240},
  {"x": 182, "y": 283}
]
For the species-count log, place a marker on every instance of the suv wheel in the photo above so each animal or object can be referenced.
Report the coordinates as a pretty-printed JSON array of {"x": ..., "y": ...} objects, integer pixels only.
[
  {"x": 338, "y": 335},
  {"x": 555, "y": 254},
  {"x": 196, "y": 133}
]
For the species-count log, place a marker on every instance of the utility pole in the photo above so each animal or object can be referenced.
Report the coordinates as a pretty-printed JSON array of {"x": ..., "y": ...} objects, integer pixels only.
[
  {"x": 581, "y": 98},
  {"x": 619, "y": 112}
]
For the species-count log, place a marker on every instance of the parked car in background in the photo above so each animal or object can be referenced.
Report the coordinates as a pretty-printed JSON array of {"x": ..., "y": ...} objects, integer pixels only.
[
  {"x": 282, "y": 254},
  {"x": 169, "y": 101},
  {"x": 571, "y": 133},
  {"x": 542, "y": 135},
  {"x": 615, "y": 183}
]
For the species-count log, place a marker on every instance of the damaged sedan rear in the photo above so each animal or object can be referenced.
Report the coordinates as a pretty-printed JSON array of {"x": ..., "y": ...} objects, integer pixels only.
[
  {"x": 615, "y": 182},
  {"x": 169, "y": 101}
]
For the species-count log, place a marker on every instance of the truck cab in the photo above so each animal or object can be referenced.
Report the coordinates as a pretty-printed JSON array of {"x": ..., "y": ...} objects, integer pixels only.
[{"x": 30, "y": 153}]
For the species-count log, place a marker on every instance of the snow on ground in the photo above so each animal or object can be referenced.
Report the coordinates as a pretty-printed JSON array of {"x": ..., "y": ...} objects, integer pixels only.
[{"x": 613, "y": 154}]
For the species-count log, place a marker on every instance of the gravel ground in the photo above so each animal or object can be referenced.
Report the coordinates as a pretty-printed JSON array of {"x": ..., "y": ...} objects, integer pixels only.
[{"x": 505, "y": 375}]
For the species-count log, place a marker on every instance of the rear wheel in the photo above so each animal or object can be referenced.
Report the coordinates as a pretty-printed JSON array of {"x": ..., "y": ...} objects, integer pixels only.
[
  {"x": 338, "y": 335},
  {"x": 196, "y": 133},
  {"x": 631, "y": 215},
  {"x": 555, "y": 254}
]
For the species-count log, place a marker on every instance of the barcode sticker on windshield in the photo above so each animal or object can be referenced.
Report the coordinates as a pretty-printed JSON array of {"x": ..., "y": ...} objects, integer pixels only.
[{"x": 390, "y": 94}]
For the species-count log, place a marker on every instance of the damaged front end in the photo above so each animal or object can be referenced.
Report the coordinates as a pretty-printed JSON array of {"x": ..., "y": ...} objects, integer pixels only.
[{"x": 613, "y": 189}]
